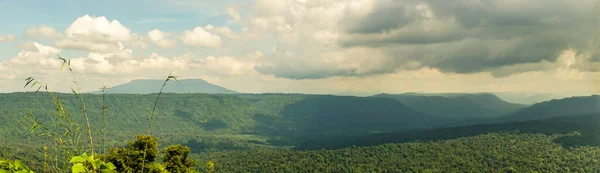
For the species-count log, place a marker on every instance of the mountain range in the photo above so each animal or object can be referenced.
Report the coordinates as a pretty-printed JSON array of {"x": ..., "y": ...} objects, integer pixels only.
[
  {"x": 147, "y": 86},
  {"x": 235, "y": 122},
  {"x": 456, "y": 105}
]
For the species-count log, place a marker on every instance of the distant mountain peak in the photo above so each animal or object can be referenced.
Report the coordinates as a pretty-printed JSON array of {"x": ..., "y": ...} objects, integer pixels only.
[
  {"x": 453, "y": 105},
  {"x": 559, "y": 107},
  {"x": 148, "y": 86}
]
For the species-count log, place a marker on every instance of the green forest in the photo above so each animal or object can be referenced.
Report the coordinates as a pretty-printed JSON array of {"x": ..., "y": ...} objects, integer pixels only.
[
  {"x": 303, "y": 133},
  {"x": 44, "y": 131},
  {"x": 494, "y": 152}
]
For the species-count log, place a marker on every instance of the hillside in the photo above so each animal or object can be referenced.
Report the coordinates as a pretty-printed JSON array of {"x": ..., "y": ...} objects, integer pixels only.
[
  {"x": 557, "y": 107},
  {"x": 346, "y": 115},
  {"x": 147, "y": 86},
  {"x": 261, "y": 128},
  {"x": 586, "y": 124},
  {"x": 456, "y": 106},
  {"x": 495, "y": 152},
  {"x": 533, "y": 98},
  {"x": 277, "y": 116}
]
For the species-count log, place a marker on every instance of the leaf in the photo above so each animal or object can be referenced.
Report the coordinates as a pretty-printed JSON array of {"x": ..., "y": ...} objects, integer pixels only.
[
  {"x": 73, "y": 91},
  {"x": 28, "y": 81},
  {"x": 33, "y": 127},
  {"x": 95, "y": 164},
  {"x": 78, "y": 159},
  {"x": 108, "y": 171},
  {"x": 78, "y": 168},
  {"x": 18, "y": 164},
  {"x": 110, "y": 166},
  {"x": 173, "y": 77},
  {"x": 65, "y": 61}
]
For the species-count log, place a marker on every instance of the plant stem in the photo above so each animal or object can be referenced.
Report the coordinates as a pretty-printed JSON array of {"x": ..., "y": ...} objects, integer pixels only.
[
  {"x": 87, "y": 119},
  {"x": 104, "y": 107},
  {"x": 152, "y": 115}
]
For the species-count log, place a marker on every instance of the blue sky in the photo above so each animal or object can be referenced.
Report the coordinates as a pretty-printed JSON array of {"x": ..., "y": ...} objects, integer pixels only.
[
  {"x": 140, "y": 16},
  {"x": 310, "y": 46}
]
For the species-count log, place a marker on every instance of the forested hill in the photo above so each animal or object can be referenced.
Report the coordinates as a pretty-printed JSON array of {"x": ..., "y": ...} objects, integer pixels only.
[
  {"x": 495, "y": 152},
  {"x": 147, "y": 86},
  {"x": 557, "y": 107},
  {"x": 456, "y": 106},
  {"x": 255, "y": 132},
  {"x": 285, "y": 115},
  {"x": 585, "y": 124}
]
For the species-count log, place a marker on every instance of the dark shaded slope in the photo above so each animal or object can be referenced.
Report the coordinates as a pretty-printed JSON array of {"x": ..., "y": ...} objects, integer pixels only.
[
  {"x": 337, "y": 115},
  {"x": 586, "y": 125},
  {"x": 456, "y": 106},
  {"x": 554, "y": 108},
  {"x": 494, "y": 103},
  {"x": 179, "y": 115}
]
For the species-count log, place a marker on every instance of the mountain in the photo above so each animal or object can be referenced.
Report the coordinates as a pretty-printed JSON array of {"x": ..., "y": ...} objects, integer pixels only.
[
  {"x": 273, "y": 116},
  {"x": 456, "y": 106},
  {"x": 561, "y": 144},
  {"x": 326, "y": 115},
  {"x": 533, "y": 98},
  {"x": 147, "y": 86},
  {"x": 560, "y": 107},
  {"x": 585, "y": 124}
]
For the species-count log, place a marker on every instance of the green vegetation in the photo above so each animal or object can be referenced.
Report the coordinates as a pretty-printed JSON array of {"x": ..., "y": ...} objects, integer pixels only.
[
  {"x": 495, "y": 152},
  {"x": 587, "y": 125},
  {"x": 456, "y": 106},
  {"x": 292, "y": 133},
  {"x": 7, "y": 166},
  {"x": 63, "y": 129},
  {"x": 555, "y": 108}
]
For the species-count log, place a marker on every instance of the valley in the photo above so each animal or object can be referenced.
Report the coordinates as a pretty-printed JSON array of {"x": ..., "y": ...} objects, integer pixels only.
[{"x": 230, "y": 127}]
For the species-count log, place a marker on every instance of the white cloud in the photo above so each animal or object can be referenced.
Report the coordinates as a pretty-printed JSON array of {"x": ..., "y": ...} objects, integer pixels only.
[
  {"x": 326, "y": 37},
  {"x": 91, "y": 46},
  {"x": 7, "y": 38},
  {"x": 336, "y": 45},
  {"x": 42, "y": 32},
  {"x": 233, "y": 13},
  {"x": 230, "y": 66},
  {"x": 224, "y": 32},
  {"x": 160, "y": 38},
  {"x": 99, "y": 35},
  {"x": 98, "y": 29},
  {"x": 38, "y": 59},
  {"x": 200, "y": 37}
]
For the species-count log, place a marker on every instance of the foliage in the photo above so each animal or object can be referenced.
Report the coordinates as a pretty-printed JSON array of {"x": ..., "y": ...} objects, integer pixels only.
[
  {"x": 64, "y": 131},
  {"x": 556, "y": 108},
  {"x": 8, "y": 166},
  {"x": 494, "y": 152},
  {"x": 586, "y": 124},
  {"x": 240, "y": 132},
  {"x": 456, "y": 106},
  {"x": 210, "y": 166},
  {"x": 176, "y": 158},
  {"x": 85, "y": 163},
  {"x": 131, "y": 159}
]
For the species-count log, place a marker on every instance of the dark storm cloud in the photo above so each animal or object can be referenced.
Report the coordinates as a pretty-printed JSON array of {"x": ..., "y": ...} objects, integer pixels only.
[
  {"x": 291, "y": 71},
  {"x": 388, "y": 16},
  {"x": 478, "y": 36},
  {"x": 286, "y": 65}
]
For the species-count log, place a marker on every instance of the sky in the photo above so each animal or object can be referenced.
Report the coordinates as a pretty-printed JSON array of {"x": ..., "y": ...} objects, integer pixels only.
[{"x": 306, "y": 46}]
